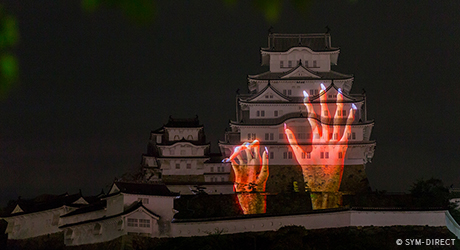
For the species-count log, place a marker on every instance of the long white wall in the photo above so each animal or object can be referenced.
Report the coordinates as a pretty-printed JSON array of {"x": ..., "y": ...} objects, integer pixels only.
[{"x": 310, "y": 221}]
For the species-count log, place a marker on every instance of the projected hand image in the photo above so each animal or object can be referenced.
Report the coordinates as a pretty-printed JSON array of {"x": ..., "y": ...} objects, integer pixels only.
[
  {"x": 251, "y": 174},
  {"x": 322, "y": 164}
]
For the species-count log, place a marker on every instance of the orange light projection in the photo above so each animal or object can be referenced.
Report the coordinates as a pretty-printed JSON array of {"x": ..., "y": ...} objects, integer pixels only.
[
  {"x": 251, "y": 174},
  {"x": 322, "y": 166}
]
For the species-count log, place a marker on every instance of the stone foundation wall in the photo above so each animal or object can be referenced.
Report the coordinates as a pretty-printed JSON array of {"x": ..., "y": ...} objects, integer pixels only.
[{"x": 284, "y": 178}]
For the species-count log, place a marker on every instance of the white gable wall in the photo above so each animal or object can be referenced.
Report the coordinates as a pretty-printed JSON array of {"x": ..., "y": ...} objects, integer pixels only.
[
  {"x": 160, "y": 205},
  {"x": 176, "y": 134},
  {"x": 322, "y": 59}
]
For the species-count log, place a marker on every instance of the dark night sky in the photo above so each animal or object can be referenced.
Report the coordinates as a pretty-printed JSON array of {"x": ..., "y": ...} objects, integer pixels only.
[{"x": 93, "y": 86}]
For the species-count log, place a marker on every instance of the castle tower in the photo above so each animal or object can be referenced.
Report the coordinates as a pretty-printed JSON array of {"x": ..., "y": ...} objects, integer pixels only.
[
  {"x": 179, "y": 156},
  {"x": 301, "y": 63}
]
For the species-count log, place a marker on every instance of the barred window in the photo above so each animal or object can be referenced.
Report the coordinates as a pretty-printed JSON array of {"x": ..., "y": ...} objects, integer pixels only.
[
  {"x": 144, "y": 223},
  {"x": 132, "y": 222}
]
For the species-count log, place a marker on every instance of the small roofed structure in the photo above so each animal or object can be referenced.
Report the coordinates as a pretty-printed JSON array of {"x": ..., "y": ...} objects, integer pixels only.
[
  {"x": 41, "y": 215},
  {"x": 140, "y": 208}
]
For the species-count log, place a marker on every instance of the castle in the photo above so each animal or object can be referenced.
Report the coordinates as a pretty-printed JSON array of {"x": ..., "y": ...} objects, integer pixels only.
[{"x": 301, "y": 111}]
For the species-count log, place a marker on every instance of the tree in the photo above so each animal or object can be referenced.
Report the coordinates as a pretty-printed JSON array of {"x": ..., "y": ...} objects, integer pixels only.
[{"x": 430, "y": 193}]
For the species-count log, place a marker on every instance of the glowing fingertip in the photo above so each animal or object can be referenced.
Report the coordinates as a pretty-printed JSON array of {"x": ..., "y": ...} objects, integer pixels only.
[
  {"x": 266, "y": 150},
  {"x": 340, "y": 90},
  {"x": 354, "y": 106},
  {"x": 237, "y": 149},
  {"x": 285, "y": 126},
  {"x": 323, "y": 87},
  {"x": 305, "y": 94}
]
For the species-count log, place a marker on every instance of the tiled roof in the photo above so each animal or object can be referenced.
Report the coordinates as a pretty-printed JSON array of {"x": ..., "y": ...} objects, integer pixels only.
[
  {"x": 99, "y": 205},
  {"x": 46, "y": 202},
  {"x": 283, "y": 42},
  {"x": 143, "y": 188},
  {"x": 197, "y": 143},
  {"x": 128, "y": 210},
  {"x": 332, "y": 75},
  {"x": 183, "y": 122}
]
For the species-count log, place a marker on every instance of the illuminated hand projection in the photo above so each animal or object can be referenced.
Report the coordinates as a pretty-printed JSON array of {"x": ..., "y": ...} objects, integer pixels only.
[
  {"x": 322, "y": 167},
  {"x": 251, "y": 174}
]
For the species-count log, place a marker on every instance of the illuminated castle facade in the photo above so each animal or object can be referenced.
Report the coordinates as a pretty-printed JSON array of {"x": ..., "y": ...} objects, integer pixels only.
[
  {"x": 179, "y": 156},
  {"x": 298, "y": 63}
]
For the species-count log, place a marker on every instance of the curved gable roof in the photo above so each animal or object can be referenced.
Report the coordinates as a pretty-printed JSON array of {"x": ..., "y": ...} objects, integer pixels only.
[{"x": 268, "y": 89}]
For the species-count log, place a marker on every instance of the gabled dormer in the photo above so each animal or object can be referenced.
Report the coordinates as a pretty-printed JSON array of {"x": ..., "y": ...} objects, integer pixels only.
[
  {"x": 17, "y": 209},
  {"x": 300, "y": 71},
  {"x": 267, "y": 94}
]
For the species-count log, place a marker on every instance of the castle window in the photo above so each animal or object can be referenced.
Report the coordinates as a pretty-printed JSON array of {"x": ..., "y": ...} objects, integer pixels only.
[
  {"x": 258, "y": 113},
  {"x": 308, "y": 155},
  {"x": 212, "y": 169},
  {"x": 322, "y": 155},
  {"x": 262, "y": 113},
  {"x": 314, "y": 64},
  {"x": 289, "y": 92},
  {"x": 182, "y": 152},
  {"x": 177, "y": 165},
  {"x": 340, "y": 155},
  {"x": 249, "y": 136},
  {"x": 290, "y": 155},
  {"x": 144, "y": 223},
  {"x": 353, "y": 135},
  {"x": 281, "y": 64},
  {"x": 281, "y": 136},
  {"x": 276, "y": 113},
  {"x": 326, "y": 155},
  {"x": 271, "y": 96},
  {"x": 272, "y": 155},
  {"x": 289, "y": 64},
  {"x": 306, "y": 63},
  {"x": 336, "y": 136},
  {"x": 269, "y": 136},
  {"x": 284, "y": 92},
  {"x": 189, "y": 165},
  {"x": 132, "y": 222},
  {"x": 284, "y": 155},
  {"x": 303, "y": 155},
  {"x": 222, "y": 179},
  {"x": 314, "y": 92}
]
